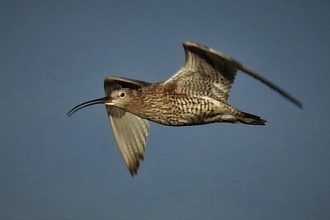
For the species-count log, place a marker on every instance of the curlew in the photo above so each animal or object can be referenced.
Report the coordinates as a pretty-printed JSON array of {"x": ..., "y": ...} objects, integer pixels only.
[{"x": 197, "y": 94}]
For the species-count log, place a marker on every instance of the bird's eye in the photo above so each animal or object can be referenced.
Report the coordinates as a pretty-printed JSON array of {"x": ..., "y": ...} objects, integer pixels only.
[{"x": 122, "y": 94}]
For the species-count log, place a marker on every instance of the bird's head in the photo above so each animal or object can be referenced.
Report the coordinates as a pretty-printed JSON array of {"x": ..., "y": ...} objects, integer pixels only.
[{"x": 119, "y": 98}]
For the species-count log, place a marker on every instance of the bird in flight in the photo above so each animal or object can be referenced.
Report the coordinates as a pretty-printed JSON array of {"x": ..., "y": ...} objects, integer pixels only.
[{"x": 197, "y": 94}]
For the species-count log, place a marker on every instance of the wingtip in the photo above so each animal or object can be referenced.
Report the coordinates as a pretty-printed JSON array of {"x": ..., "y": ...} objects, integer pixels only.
[
  {"x": 187, "y": 43},
  {"x": 193, "y": 44},
  {"x": 133, "y": 168},
  {"x": 296, "y": 102},
  {"x": 300, "y": 105},
  {"x": 132, "y": 171}
]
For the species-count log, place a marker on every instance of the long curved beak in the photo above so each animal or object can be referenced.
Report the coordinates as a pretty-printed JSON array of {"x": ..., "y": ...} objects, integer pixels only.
[{"x": 89, "y": 103}]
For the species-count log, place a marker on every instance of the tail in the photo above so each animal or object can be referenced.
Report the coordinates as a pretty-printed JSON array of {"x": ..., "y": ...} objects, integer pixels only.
[{"x": 247, "y": 118}]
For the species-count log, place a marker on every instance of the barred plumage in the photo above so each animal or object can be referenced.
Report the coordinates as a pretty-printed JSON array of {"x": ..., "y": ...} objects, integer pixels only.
[{"x": 197, "y": 94}]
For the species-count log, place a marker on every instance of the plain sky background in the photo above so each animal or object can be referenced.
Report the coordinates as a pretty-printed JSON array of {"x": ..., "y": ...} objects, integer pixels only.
[{"x": 55, "y": 54}]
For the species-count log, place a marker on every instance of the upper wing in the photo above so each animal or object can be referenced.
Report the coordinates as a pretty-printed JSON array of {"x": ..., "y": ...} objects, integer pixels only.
[
  {"x": 130, "y": 130},
  {"x": 211, "y": 73}
]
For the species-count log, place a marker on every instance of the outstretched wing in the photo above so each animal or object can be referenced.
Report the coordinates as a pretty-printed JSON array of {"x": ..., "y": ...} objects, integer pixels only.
[
  {"x": 130, "y": 130},
  {"x": 207, "y": 72}
]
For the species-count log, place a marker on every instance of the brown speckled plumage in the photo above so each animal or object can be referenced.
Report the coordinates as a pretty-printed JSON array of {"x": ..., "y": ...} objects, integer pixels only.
[{"x": 197, "y": 94}]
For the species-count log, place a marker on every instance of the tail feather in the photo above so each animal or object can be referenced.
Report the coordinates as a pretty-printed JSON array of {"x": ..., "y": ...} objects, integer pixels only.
[{"x": 247, "y": 118}]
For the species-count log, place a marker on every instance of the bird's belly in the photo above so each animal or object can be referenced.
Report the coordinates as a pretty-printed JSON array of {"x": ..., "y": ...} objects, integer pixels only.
[{"x": 182, "y": 119}]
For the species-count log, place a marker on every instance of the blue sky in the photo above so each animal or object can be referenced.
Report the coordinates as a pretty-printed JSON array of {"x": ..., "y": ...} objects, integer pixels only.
[{"x": 55, "y": 54}]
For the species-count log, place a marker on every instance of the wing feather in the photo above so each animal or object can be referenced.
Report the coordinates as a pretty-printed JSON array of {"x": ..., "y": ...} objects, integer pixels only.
[
  {"x": 207, "y": 72},
  {"x": 130, "y": 131}
]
